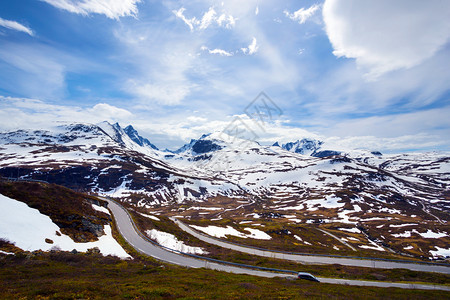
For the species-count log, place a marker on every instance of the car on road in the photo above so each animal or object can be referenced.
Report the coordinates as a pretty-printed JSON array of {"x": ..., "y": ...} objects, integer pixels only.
[{"x": 307, "y": 276}]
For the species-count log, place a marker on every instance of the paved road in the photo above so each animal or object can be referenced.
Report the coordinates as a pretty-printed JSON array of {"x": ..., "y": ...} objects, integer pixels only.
[
  {"x": 311, "y": 259},
  {"x": 128, "y": 231}
]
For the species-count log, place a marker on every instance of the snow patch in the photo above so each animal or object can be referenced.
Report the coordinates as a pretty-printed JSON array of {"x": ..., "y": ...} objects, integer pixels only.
[
  {"x": 28, "y": 229},
  {"x": 170, "y": 241},
  {"x": 428, "y": 235},
  {"x": 371, "y": 247},
  {"x": 432, "y": 235},
  {"x": 100, "y": 208},
  {"x": 403, "y": 225},
  {"x": 222, "y": 232},
  {"x": 150, "y": 216},
  {"x": 440, "y": 252},
  {"x": 353, "y": 230},
  {"x": 258, "y": 234}
]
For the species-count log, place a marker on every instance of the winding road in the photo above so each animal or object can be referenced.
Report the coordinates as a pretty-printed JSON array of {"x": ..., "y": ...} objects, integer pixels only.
[
  {"x": 313, "y": 259},
  {"x": 128, "y": 231}
]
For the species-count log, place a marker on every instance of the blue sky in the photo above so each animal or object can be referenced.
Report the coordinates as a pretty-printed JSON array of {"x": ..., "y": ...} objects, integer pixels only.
[{"x": 364, "y": 74}]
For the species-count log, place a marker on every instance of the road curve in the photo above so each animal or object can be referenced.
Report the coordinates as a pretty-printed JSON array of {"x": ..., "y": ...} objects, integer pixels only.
[
  {"x": 312, "y": 259},
  {"x": 127, "y": 230}
]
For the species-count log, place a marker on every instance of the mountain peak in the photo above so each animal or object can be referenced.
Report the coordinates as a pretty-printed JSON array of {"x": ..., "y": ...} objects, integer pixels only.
[
  {"x": 135, "y": 137},
  {"x": 305, "y": 146}
]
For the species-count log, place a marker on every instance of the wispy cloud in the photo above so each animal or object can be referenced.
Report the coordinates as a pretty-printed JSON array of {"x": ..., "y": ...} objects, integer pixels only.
[
  {"x": 160, "y": 92},
  {"x": 302, "y": 15},
  {"x": 160, "y": 70},
  {"x": 113, "y": 9},
  {"x": 210, "y": 17},
  {"x": 15, "y": 26},
  {"x": 220, "y": 52}
]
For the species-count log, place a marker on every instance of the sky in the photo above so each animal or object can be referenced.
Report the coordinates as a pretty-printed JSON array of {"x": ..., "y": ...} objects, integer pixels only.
[{"x": 355, "y": 73}]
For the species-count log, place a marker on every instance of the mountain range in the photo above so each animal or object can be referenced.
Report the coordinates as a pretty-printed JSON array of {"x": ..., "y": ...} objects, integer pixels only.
[{"x": 302, "y": 182}]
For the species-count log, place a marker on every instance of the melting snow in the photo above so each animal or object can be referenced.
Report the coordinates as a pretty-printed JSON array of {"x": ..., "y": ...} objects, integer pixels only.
[
  {"x": 432, "y": 235},
  {"x": 354, "y": 230},
  {"x": 301, "y": 240},
  {"x": 28, "y": 229},
  {"x": 378, "y": 248},
  {"x": 150, "y": 216},
  {"x": 297, "y": 237},
  {"x": 428, "y": 235},
  {"x": 440, "y": 252},
  {"x": 403, "y": 225},
  {"x": 257, "y": 234},
  {"x": 205, "y": 208},
  {"x": 222, "y": 232},
  {"x": 100, "y": 208},
  {"x": 295, "y": 220},
  {"x": 170, "y": 241}
]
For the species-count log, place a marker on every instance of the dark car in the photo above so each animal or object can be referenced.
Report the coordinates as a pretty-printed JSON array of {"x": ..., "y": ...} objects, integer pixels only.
[{"x": 307, "y": 276}]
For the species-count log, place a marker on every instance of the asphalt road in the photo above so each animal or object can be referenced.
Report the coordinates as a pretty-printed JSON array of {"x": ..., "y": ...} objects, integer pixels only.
[
  {"x": 311, "y": 259},
  {"x": 127, "y": 230}
]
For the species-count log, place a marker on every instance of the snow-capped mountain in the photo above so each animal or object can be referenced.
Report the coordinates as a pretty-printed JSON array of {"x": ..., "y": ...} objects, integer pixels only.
[
  {"x": 304, "y": 180},
  {"x": 303, "y": 146},
  {"x": 203, "y": 145},
  {"x": 135, "y": 137},
  {"x": 100, "y": 158}
]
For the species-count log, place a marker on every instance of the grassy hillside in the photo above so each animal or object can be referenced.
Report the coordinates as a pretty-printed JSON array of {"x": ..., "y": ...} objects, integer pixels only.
[{"x": 61, "y": 275}]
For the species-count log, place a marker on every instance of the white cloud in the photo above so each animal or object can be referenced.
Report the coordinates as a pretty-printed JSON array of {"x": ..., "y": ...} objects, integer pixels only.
[
  {"x": 20, "y": 113},
  {"x": 105, "y": 111},
  {"x": 387, "y": 35},
  {"x": 189, "y": 22},
  {"x": 302, "y": 15},
  {"x": 15, "y": 26},
  {"x": 257, "y": 10},
  {"x": 208, "y": 18},
  {"x": 195, "y": 119},
  {"x": 221, "y": 52},
  {"x": 113, "y": 9},
  {"x": 227, "y": 21},
  {"x": 252, "y": 48}
]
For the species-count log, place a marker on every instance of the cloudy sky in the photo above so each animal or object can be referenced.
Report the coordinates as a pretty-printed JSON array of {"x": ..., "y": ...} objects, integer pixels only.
[{"x": 359, "y": 73}]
